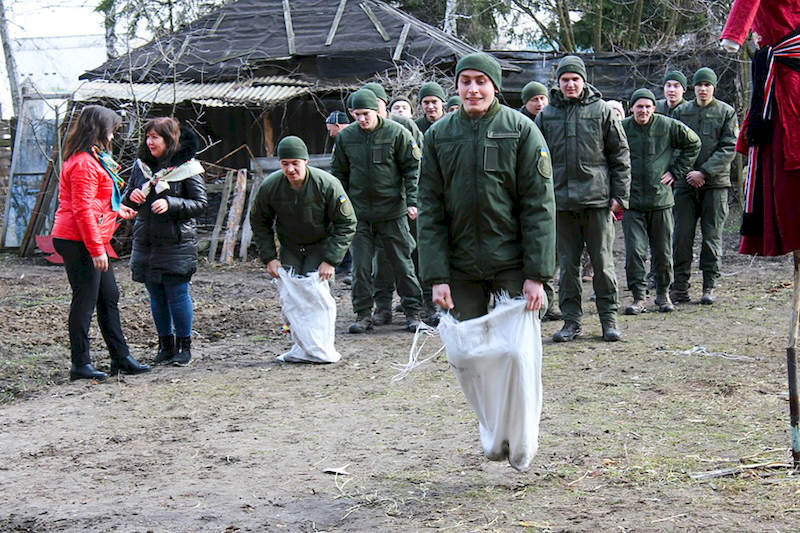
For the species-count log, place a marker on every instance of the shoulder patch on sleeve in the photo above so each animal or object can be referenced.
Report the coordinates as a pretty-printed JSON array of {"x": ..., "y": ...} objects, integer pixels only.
[
  {"x": 544, "y": 165},
  {"x": 345, "y": 208},
  {"x": 416, "y": 152}
]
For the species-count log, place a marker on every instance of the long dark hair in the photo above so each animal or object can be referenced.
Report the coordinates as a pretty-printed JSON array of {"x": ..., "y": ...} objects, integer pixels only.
[
  {"x": 168, "y": 129},
  {"x": 92, "y": 127}
]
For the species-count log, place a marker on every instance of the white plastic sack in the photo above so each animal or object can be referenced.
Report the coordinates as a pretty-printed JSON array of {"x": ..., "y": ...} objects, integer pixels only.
[
  {"x": 497, "y": 359},
  {"x": 310, "y": 312}
]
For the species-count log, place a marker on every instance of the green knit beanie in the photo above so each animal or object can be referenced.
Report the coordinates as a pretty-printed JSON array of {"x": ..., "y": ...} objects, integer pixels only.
[
  {"x": 482, "y": 63},
  {"x": 642, "y": 93},
  {"x": 378, "y": 89},
  {"x": 431, "y": 89},
  {"x": 292, "y": 147},
  {"x": 401, "y": 99},
  {"x": 676, "y": 75},
  {"x": 572, "y": 64},
  {"x": 705, "y": 74},
  {"x": 453, "y": 100},
  {"x": 364, "y": 99},
  {"x": 532, "y": 89}
]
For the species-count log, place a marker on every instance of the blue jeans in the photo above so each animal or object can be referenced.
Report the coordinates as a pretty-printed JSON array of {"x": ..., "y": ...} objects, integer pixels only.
[{"x": 171, "y": 306}]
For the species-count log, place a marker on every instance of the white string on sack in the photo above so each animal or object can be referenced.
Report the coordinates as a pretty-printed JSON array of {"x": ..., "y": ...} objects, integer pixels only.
[{"x": 424, "y": 332}]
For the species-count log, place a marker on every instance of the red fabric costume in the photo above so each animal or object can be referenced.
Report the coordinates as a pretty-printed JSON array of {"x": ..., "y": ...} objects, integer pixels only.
[{"x": 780, "y": 161}]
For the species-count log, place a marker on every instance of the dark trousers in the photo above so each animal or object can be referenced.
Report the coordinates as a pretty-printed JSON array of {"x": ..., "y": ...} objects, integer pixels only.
[
  {"x": 303, "y": 259},
  {"x": 172, "y": 309},
  {"x": 595, "y": 228},
  {"x": 397, "y": 244},
  {"x": 710, "y": 208},
  {"x": 645, "y": 229},
  {"x": 90, "y": 289},
  {"x": 471, "y": 296}
]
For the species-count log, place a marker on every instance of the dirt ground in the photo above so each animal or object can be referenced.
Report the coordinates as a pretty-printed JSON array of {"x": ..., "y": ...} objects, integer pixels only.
[{"x": 240, "y": 442}]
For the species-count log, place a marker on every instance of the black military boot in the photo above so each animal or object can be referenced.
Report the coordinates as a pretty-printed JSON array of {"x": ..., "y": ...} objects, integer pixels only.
[
  {"x": 166, "y": 349},
  {"x": 127, "y": 365},
  {"x": 568, "y": 332},
  {"x": 183, "y": 351},
  {"x": 610, "y": 331},
  {"x": 86, "y": 371}
]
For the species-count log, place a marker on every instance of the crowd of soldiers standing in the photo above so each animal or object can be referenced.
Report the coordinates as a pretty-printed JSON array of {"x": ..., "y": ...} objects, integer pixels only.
[{"x": 474, "y": 198}]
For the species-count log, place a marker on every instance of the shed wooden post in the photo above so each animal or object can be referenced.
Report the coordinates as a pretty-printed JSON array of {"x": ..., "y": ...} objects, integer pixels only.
[
  {"x": 269, "y": 135},
  {"x": 235, "y": 215},
  {"x": 247, "y": 229},
  {"x": 223, "y": 208}
]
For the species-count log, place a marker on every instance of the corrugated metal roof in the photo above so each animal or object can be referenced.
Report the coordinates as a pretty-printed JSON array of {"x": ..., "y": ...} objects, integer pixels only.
[{"x": 257, "y": 91}]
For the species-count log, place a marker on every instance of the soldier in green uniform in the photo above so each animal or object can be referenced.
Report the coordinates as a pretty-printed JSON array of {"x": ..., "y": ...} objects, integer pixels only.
[
  {"x": 310, "y": 211},
  {"x": 534, "y": 99},
  {"x": 432, "y": 100},
  {"x": 661, "y": 149},
  {"x": 377, "y": 161},
  {"x": 486, "y": 196},
  {"x": 591, "y": 176},
  {"x": 702, "y": 194},
  {"x": 383, "y": 276},
  {"x": 453, "y": 103},
  {"x": 674, "y": 88}
]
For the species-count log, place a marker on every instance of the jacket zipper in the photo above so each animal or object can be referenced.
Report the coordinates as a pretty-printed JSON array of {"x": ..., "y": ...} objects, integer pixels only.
[{"x": 475, "y": 175}]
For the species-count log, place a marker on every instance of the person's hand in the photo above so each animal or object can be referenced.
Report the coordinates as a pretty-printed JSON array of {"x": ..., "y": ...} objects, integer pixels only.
[
  {"x": 441, "y": 296},
  {"x": 326, "y": 271},
  {"x": 667, "y": 178},
  {"x": 534, "y": 294},
  {"x": 412, "y": 213},
  {"x": 729, "y": 46},
  {"x": 126, "y": 212},
  {"x": 614, "y": 206},
  {"x": 696, "y": 178},
  {"x": 273, "y": 266},
  {"x": 137, "y": 196},
  {"x": 100, "y": 262},
  {"x": 160, "y": 206}
]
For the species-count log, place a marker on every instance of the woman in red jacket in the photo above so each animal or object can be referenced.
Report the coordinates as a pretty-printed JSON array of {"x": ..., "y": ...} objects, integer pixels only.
[{"x": 89, "y": 202}]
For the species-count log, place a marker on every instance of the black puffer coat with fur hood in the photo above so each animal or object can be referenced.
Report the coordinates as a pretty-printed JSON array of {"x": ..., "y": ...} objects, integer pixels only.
[{"x": 165, "y": 245}]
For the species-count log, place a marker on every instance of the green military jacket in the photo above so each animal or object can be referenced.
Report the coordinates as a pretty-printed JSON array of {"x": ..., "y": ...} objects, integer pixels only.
[
  {"x": 319, "y": 213},
  {"x": 379, "y": 169},
  {"x": 524, "y": 111},
  {"x": 591, "y": 160},
  {"x": 486, "y": 198},
  {"x": 662, "y": 145},
  {"x": 718, "y": 128},
  {"x": 411, "y": 126},
  {"x": 663, "y": 108},
  {"x": 423, "y": 123}
]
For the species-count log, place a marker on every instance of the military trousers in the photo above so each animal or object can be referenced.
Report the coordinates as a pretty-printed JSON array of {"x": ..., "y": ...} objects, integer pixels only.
[
  {"x": 303, "y": 259},
  {"x": 643, "y": 230},
  {"x": 384, "y": 276},
  {"x": 397, "y": 244},
  {"x": 710, "y": 208},
  {"x": 471, "y": 297},
  {"x": 595, "y": 228}
]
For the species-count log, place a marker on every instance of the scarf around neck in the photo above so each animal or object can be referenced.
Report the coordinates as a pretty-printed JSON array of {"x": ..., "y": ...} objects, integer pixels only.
[{"x": 112, "y": 168}]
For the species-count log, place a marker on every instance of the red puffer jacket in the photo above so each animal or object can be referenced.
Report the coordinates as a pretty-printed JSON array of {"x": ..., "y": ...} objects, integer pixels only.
[{"x": 84, "y": 204}]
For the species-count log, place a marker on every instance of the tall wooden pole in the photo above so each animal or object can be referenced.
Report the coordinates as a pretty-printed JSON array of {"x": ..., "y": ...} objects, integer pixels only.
[
  {"x": 11, "y": 64},
  {"x": 791, "y": 365}
]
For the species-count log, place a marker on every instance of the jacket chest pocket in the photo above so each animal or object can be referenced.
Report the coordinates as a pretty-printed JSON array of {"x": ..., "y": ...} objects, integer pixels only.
[
  {"x": 589, "y": 132},
  {"x": 307, "y": 214},
  {"x": 500, "y": 150},
  {"x": 380, "y": 153},
  {"x": 708, "y": 127}
]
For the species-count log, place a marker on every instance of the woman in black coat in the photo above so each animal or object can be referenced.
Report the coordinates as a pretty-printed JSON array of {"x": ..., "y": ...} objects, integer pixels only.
[{"x": 168, "y": 191}]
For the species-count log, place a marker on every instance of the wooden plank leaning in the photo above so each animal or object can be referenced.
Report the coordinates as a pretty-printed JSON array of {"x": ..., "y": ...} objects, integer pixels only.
[
  {"x": 223, "y": 209},
  {"x": 235, "y": 215}
]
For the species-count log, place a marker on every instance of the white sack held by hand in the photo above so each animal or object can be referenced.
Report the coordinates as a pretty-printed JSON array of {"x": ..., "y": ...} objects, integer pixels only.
[
  {"x": 310, "y": 311},
  {"x": 497, "y": 359}
]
